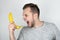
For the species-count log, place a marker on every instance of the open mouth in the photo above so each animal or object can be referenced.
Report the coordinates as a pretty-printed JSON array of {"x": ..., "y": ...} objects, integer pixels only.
[{"x": 28, "y": 22}]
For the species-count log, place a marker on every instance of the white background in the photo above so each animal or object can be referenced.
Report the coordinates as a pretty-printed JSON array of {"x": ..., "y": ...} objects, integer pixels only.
[{"x": 50, "y": 12}]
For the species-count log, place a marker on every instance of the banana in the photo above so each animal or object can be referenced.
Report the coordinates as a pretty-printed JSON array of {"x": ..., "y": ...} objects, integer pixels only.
[{"x": 11, "y": 20}]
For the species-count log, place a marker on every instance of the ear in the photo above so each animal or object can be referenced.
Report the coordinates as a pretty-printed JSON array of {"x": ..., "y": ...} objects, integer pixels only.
[{"x": 35, "y": 15}]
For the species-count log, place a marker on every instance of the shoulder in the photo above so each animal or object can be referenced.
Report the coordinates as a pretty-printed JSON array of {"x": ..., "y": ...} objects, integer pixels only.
[
  {"x": 51, "y": 26},
  {"x": 49, "y": 23}
]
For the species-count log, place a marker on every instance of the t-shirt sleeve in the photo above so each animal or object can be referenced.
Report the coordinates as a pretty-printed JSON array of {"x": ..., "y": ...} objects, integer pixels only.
[
  {"x": 56, "y": 32},
  {"x": 20, "y": 37}
]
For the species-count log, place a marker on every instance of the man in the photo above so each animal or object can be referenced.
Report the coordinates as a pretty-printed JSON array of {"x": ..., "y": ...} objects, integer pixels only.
[{"x": 36, "y": 29}]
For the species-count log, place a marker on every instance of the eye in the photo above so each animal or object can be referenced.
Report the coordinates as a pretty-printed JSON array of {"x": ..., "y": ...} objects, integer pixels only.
[{"x": 26, "y": 15}]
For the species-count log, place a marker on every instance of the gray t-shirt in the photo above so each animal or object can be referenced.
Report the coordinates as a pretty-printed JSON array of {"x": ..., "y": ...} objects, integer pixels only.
[{"x": 48, "y": 31}]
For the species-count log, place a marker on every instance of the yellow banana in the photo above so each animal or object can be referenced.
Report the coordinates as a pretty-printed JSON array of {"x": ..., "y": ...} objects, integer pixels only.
[
  {"x": 11, "y": 20},
  {"x": 10, "y": 17}
]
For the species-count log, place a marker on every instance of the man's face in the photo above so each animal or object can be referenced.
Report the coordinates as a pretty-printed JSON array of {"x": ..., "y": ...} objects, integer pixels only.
[{"x": 28, "y": 17}]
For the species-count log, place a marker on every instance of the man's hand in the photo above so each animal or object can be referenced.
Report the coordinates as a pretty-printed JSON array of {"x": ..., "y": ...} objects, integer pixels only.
[{"x": 11, "y": 28}]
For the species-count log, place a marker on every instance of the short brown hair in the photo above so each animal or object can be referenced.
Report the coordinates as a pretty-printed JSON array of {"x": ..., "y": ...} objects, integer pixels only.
[{"x": 34, "y": 8}]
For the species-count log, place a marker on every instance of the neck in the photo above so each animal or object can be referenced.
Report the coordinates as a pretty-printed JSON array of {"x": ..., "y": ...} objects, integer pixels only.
[{"x": 38, "y": 23}]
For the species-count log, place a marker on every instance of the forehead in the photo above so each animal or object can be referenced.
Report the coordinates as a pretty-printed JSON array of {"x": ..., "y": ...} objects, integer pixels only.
[{"x": 27, "y": 10}]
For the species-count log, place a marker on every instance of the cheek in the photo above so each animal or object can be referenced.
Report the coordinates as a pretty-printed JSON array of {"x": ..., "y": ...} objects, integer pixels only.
[{"x": 30, "y": 18}]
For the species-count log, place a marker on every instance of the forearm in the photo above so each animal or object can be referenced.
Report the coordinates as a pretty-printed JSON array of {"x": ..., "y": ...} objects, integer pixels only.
[{"x": 11, "y": 34}]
